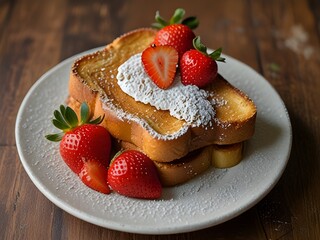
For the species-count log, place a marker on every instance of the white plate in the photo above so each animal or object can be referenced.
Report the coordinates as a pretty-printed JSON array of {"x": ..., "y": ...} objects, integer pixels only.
[{"x": 210, "y": 199}]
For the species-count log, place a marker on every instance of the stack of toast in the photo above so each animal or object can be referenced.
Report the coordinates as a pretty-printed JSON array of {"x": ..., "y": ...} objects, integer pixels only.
[{"x": 179, "y": 150}]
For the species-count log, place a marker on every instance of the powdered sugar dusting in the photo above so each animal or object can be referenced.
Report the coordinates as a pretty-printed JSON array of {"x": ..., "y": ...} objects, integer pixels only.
[
  {"x": 209, "y": 199},
  {"x": 123, "y": 115},
  {"x": 188, "y": 103}
]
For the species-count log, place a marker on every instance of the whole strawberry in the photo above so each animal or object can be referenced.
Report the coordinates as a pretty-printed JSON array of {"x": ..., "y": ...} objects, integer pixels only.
[
  {"x": 177, "y": 32},
  {"x": 197, "y": 67},
  {"x": 133, "y": 174},
  {"x": 84, "y": 145}
]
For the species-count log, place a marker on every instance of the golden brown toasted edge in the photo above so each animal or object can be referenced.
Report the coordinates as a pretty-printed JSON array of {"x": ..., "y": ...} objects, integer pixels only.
[
  {"x": 84, "y": 90},
  {"x": 193, "y": 164},
  {"x": 128, "y": 35},
  {"x": 238, "y": 105},
  {"x": 158, "y": 149},
  {"x": 235, "y": 117},
  {"x": 186, "y": 168}
]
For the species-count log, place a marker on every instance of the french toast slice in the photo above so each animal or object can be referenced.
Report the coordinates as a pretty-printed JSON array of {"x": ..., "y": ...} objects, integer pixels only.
[
  {"x": 196, "y": 162},
  {"x": 159, "y": 135},
  {"x": 193, "y": 164}
]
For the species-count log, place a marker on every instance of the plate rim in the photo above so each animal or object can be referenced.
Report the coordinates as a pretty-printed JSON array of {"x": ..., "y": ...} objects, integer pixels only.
[{"x": 58, "y": 201}]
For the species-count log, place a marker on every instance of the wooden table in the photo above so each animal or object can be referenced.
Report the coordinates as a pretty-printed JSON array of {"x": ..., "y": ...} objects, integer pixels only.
[{"x": 279, "y": 39}]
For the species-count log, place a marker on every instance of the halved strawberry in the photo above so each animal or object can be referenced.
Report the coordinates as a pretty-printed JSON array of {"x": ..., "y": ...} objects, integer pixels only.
[
  {"x": 160, "y": 63},
  {"x": 94, "y": 175},
  {"x": 85, "y": 146}
]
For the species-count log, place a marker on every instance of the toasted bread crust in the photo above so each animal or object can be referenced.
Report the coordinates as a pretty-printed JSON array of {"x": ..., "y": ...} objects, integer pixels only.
[
  {"x": 92, "y": 79},
  {"x": 193, "y": 164}
]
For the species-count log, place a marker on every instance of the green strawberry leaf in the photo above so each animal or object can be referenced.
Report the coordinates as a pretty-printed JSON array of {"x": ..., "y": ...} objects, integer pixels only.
[
  {"x": 96, "y": 121},
  {"x": 84, "y": 113},
  {"x": 157, "y": 25},
  {"x": 199, "y": 46},
  {"x": 60, "y": 125},
  {"x": 67, "y": 119},
  {"x": 63, "y": 110},
  {"x": 191, "y": 22},
  {"x": 71, "y": 117},
  {"x": 216, "y": 55},
  {"x": 60, "y": 118},
  {"x": 160, "y": 21},
  {"x": 177, "y": 16},
  {"x": 55, "y": 137}
]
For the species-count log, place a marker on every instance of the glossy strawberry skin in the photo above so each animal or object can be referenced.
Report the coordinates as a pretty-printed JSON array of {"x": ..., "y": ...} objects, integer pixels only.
[
  {"x": 83, "y": 143},
  {"x": 133, "y": 174},
  {"x": 197, "y": 68},
  {"x": 178, "y": 36}
]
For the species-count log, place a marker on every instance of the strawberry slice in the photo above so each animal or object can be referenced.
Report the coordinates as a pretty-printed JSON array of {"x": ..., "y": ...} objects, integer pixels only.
[
  {"x": 84, "y": 145},
  {"x": 95, "y": 175},
  {"x": 160, "y": 63}
]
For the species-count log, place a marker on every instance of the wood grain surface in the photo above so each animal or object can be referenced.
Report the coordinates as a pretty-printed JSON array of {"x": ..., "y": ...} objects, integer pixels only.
[{"x": 278, "y": 38}]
